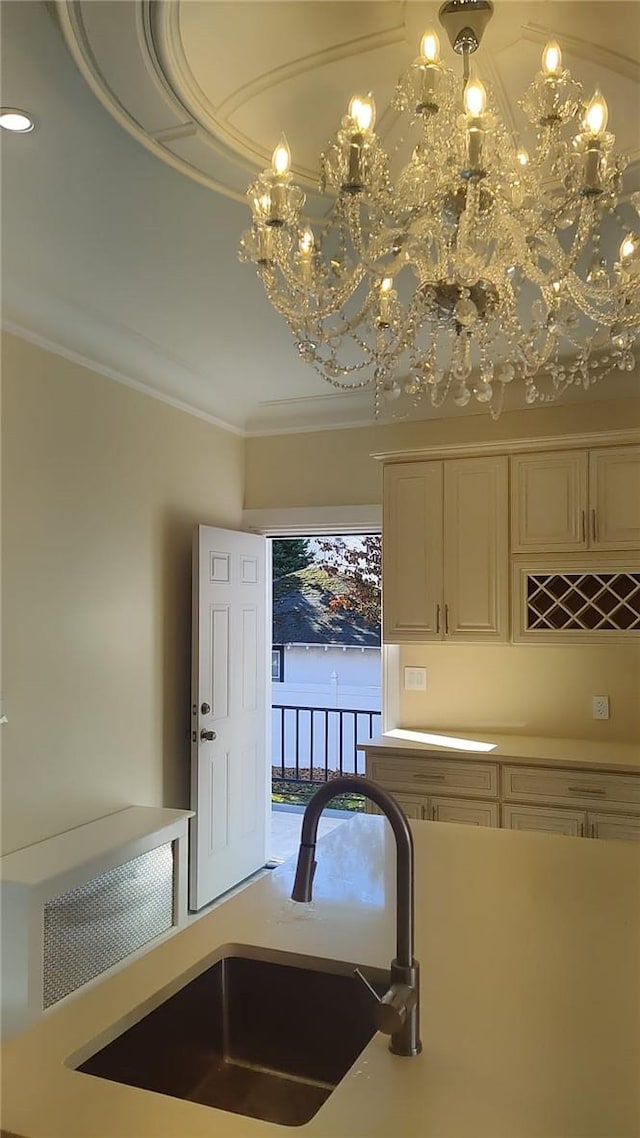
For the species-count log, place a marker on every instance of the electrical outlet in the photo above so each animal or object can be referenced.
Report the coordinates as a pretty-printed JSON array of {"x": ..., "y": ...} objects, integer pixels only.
[
  {"x": 600, "y": 706},
  {"x": 415, "y": 679}
]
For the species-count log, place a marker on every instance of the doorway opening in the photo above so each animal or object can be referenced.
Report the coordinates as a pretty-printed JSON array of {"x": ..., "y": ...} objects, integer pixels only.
[{"x": 325, "y": 673}]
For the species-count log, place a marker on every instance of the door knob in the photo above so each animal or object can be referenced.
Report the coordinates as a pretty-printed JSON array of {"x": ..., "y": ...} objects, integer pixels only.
[{"x": 207, "y": 736}]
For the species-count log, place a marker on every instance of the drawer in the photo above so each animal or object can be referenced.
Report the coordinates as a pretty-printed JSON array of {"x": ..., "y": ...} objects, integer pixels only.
[
  {"x": 544, "y": 819},
  {"x": 424, "y": 776},
  {"x": 412, "y": 804},
  {"x": 614, "y": 827},
  {"x": 468, "y": 813},
  {"x": 569, "y": 787}
]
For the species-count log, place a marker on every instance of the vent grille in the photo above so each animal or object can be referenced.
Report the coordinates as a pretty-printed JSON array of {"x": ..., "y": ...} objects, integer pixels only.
[
  {"x": 588, "y": 602},
  {"x": 92, "y": 927}
]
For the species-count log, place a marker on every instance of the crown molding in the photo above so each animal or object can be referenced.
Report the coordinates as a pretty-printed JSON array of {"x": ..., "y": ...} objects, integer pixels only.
[
  {"x": 515, "y": 446},
  {"x": 111, "y": 373}
]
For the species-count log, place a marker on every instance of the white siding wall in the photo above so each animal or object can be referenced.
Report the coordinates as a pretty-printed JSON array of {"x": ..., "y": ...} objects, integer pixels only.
[{"x": 325, "y": 678}]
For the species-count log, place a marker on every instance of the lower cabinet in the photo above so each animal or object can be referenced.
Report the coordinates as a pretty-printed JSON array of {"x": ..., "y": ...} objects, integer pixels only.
[
  {"x": 550, "y": 798},
  {"x": 413, "y": 806},
  {"x": 571, "y": 822},
  {"x": 455, "y": 810},
  {"x": 446, "y": 810},
  {"x": 575, "y": 823},
  {"x": 620, "y": 828}
]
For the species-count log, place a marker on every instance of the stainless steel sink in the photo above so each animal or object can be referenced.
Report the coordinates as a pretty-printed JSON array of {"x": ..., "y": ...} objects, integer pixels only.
[{"x": 269, "y": 1038}]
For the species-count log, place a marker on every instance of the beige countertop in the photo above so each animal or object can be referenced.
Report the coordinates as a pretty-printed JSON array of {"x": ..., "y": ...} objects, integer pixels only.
[
  {"x": 487, "y": 745},
  {"x": 529, "y": 946}
]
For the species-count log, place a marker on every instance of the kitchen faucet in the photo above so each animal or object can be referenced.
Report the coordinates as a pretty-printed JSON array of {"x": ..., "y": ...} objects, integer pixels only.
[{"x": 397, "y": 1013}]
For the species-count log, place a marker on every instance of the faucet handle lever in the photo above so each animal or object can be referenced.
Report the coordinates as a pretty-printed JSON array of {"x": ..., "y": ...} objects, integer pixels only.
[
  {"x": 390, "y": 1010},
  {"x": 368, "y": 986}
]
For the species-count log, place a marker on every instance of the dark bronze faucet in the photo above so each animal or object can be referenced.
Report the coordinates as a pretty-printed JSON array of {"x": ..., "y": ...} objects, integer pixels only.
[{"x": 398, "y": 1013}]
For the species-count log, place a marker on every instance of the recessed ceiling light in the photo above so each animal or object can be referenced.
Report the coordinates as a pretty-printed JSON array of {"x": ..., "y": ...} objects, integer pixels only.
[{"x": 17, "y": 121}]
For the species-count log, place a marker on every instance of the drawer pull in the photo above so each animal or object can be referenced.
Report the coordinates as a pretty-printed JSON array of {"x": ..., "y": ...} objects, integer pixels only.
[
  {"x": 429, "y": 777},
  {"x": 586, "y": 790}
]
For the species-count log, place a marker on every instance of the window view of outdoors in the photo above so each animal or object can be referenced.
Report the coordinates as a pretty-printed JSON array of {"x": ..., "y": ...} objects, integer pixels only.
[{"x": 326, "y": 662}]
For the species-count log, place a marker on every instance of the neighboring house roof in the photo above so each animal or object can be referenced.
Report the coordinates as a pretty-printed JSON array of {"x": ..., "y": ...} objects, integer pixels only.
[{"x": 301, "y": 613}]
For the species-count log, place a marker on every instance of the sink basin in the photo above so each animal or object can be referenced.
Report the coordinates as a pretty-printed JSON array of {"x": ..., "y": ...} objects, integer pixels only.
[{"x": 266, "y": 1037}]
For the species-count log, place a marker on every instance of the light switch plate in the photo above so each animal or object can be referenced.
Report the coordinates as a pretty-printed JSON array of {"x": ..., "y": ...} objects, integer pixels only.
[{"x": 415, "y": 679}]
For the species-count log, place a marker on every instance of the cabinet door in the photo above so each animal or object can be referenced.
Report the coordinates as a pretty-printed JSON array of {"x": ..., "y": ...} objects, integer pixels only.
[
  {"x": 413, "y": 806},
  {"x": 549, "y": 502},
  {"x": 546, "y": 818},
  {"x": 469, "y": 813},
  {"x": 614, "y": 498},
  {"x": 476, "y": 549},
  {"x": 412, "y": 552},
  {"x": 617, "y": 828}
]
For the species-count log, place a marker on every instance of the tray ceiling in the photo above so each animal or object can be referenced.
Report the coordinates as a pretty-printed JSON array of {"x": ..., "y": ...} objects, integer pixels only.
[{"x": 139, "y": 272}]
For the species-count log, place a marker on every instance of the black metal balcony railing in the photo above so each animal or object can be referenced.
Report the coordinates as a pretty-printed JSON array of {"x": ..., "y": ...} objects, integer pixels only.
[{"x": 314, "y": 744}]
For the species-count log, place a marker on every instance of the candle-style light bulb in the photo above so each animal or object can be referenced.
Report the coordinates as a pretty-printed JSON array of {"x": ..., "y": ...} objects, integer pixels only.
[
  {"x": 385, "y": 300},
  {"x": 596, "y": 116},
  {"x": 363, "y": 111},
  {"x": 522, "y": 156},
  {"x": 630, "y": 254},
  {"x": 430, "y": 47},
  {"x": 552, "y": 60},
  {"x": 281, "y": 160},
  {"x": 475, "y": 98},
  {"x": 306, "y": 242}
]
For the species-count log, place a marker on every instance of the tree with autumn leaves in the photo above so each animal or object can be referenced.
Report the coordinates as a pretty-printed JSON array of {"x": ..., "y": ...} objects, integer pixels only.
[{"x": 359, "y": 563}]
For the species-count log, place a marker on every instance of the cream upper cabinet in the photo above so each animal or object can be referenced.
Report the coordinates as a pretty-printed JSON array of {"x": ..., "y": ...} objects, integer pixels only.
[
  {"x": 614, "y": 498},
  {"x": 412, "y": 551},
  {"x": 575, "y": 500},
  {"x": 445, "y": 550},
  {"x": 476, "y": 549}
]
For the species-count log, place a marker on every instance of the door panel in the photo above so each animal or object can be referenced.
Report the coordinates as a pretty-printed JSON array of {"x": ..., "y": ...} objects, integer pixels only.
[{"x": 230, "y": 683}]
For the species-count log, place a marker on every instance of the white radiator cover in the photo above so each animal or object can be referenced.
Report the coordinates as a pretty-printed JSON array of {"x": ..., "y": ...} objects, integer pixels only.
[{"x": 84, "y": 902}]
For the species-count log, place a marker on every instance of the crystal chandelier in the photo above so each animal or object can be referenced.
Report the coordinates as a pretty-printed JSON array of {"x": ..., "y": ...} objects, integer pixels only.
[{"x": 475, "y": 264}]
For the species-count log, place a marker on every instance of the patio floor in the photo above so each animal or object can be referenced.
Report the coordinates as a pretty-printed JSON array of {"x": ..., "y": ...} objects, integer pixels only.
[{"x": 286, "y": 822}]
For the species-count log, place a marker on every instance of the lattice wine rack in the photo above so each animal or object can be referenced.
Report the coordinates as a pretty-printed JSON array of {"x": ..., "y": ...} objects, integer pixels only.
[{"x": 570, "y": 601}]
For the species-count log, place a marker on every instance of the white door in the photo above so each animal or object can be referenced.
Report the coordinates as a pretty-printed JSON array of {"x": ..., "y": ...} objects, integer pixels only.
[{"x": 230, "y": 681}]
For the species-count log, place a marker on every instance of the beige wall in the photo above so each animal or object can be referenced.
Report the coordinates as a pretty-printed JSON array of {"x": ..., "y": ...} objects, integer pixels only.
[
  {"x": 335, "y": 468},
  {"x": 525, "y": 690},
  {"x": 101, "y": 489}
]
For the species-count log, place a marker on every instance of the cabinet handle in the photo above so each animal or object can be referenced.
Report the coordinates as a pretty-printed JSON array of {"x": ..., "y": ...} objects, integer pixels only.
[
  {"x": 437, "y": 618},
  {"x": 581, "y": 830},
  {"x": 592, "y": 830},
  {"x": 584, "y": 527},
  {"x": 446, "y": 620},
  {"x": 429, "y": 777},
  {"x": 594, "y": 531},
  {"x": 586, "y": 790}
]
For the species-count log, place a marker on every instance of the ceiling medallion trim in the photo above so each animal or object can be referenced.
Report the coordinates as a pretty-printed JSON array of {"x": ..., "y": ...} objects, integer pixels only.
[
  {"x": 172, "y": 62},
  {"x": 72, "y": 27}
]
